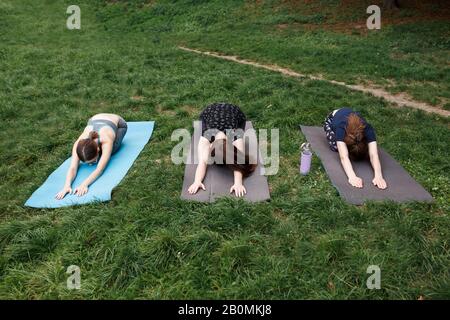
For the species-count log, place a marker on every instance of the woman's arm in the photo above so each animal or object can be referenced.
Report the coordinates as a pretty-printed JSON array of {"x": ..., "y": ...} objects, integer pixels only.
[
  {"x": 239, "y": 143},
  {"x": 347, "y": 165},
  {"x": 378, "y": 179},
  {"x": 82, "y": 189},
  {"x": 71, "y": 173},
  {"x": 238, "y": 187},
  {"x": 200, "y": 172},
  {"x": 73, "y": 169}
]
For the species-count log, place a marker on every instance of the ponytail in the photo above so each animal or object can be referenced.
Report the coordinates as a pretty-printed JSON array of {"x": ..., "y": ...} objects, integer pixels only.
[
  {"x": 93, "y": 135},
  {"x": 87, "y": 149}
]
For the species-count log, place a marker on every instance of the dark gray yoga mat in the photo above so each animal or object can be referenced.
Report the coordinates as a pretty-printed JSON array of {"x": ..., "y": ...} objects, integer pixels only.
[
  {"x": 219, "y": 179},
  {"x": 401, "y": 186}
]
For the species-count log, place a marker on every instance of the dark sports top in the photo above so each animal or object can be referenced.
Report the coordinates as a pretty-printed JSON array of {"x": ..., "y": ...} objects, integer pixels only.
[
  {"x": 222, "y": 117},
  {"x": 340, "y": 120}
]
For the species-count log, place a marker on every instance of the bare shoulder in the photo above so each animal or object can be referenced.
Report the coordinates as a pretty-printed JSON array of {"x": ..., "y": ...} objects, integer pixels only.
[
  {"x": 238, "y": 140},
  {"x": 373, "y": 146},
  {"x": 341, "y": 146},
  {"x": 203, "y": 141},
  {"x": 85, "y": 133},
  {"x": 107, "y": 135}
]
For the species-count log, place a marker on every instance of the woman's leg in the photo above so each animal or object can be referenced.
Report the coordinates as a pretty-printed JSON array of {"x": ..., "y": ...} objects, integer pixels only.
[
  {"x": 122, "y": 128},
  {"x": 331, "y": 137}
]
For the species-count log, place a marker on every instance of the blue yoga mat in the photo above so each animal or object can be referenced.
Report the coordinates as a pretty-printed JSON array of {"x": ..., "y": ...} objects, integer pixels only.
[{"x": 136, "y": 138}]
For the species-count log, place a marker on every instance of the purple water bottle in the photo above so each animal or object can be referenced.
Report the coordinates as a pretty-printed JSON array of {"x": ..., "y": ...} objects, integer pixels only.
[{"x": 305, "y": 159}]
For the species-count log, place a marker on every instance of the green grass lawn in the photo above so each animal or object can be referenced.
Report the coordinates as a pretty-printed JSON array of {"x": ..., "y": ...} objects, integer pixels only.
[{"x": 147, "y": 243}]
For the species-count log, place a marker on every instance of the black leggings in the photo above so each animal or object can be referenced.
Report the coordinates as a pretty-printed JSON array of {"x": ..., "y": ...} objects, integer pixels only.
[{"x": 331, "y": 136}]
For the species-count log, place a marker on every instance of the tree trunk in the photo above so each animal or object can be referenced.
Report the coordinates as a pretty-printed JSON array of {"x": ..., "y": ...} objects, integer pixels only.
[{"x": 391, "y": 4}]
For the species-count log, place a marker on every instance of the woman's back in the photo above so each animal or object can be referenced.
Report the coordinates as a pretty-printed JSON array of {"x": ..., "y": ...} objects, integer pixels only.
[
  {"x": 221, "y": 117},
  {"x": 114, "y": 118}
]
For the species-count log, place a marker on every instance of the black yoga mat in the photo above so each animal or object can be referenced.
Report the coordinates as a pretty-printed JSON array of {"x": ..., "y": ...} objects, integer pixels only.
[
  {"x": 401, "y": 186},
  {"x": 219, "y": 179}
]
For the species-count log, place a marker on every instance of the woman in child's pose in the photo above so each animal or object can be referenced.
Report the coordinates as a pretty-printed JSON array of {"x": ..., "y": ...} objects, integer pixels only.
[
  {"x": 101, "y": 138},
  {"x": 349, "y": 134},
  {"x": 223, "y": 127}
]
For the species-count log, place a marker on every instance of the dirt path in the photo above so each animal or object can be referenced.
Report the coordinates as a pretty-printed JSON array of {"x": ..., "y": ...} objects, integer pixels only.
[{"x": 402, "y": 99}]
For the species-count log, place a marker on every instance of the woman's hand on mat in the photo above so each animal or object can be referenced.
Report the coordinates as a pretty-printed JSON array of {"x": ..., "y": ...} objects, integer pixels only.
[
  {"x": 356, "y": 182},
  {"x": 63, "y": 193},
  {"x": 379, "y": 182},
  {"x": 81, "y": 190},
  {"x": 195, "y": 186},
  {"x": 239, "y": 190}
]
